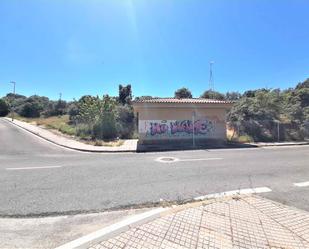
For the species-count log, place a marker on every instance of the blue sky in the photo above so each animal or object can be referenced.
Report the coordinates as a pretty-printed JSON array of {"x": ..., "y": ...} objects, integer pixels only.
[{"x": 89, "y": 47}]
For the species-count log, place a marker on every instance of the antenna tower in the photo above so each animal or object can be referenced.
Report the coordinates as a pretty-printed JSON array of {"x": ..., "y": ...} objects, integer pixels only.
[{"x": 211, "y": 77}]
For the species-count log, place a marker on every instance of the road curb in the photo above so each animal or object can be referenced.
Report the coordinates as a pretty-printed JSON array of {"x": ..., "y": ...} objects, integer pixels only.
[
  {"x": 65, "y": 146},
  {"x": 114, "y": 229},
  {"x": 281, "y": 145},
  {"x": 142, "y": 150}
]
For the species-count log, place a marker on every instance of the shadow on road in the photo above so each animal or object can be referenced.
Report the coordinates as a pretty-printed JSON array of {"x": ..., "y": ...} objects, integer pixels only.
[{"x": 186, "y": 146}]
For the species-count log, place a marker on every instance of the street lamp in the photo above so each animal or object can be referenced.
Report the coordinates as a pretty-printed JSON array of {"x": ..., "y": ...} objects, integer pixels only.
[{"x": 12, "y": 105}]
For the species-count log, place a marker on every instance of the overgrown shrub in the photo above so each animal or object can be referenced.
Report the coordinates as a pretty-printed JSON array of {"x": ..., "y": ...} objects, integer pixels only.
[
  {"x": 104, "y": 118},
  {"x": 24, "y": 106},
  {"x": 73, "y": 111},
  {"x": 125, "y": 121},
  {"x": 105, "y": 127},
  {"x": 83, "y": 131},
  {"x": 4, "y": 108},
  {"x": 31, "y": 110}
]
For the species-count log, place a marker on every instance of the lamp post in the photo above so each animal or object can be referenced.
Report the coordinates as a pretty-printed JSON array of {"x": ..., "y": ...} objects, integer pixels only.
[{"x": 12, "y": 105}]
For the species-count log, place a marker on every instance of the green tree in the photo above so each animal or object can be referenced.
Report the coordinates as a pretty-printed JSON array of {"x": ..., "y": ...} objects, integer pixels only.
[
  {"x": 304, "y": 84},
  {"x": 257, "y": 116},
  {"x": 31, "y": 110},
  {"x": 232, "y": 96},
  {"x": 125, "y": 121},
  {"x": 89, "y": 109},
  {"x": 4, "y": 108},
  {"x": 183, "y": 93},
  {"x": 105, "y": 127},
  {"x": 73, "y": 110},
  {"x": 125, "y": 94},
  {"x": 303, "y": 95},
  {"x": 23, "y": 105},
  {"x": 60, "y": 107},
  {"x": 249, "y": 94},
  {"x": 210, "y": 94},
  {"x": 147, "y": 97}
]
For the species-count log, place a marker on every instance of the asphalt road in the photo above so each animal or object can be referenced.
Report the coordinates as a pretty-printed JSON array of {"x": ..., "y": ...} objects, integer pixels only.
[{"x": 39, "y": 178}]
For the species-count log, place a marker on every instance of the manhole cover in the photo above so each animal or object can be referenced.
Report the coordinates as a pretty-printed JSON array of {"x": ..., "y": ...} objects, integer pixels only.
[{"x": 166, "y": 159}]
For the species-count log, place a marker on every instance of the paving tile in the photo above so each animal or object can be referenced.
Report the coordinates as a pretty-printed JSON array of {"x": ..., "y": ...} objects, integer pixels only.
[
  {"x": 142, "y": 239},
  {"x": 248, "y": 234},
  {"x": 217, "y": 223},
  {"x": 209, "y": 239},
  {"x": 244, "y": 222},
  {"x": 158, "y": 227},
  {"x": 220, "y": 207}
]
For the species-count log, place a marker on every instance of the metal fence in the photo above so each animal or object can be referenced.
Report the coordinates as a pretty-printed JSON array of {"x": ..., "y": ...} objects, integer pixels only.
[{"x": 268, "y": 131}]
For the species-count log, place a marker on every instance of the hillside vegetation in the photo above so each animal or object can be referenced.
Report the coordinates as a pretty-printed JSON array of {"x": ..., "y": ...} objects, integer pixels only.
[{"x": 257, "y": 115}]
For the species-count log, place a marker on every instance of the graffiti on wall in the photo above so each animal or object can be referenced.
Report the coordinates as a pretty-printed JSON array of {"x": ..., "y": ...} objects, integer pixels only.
[{"x": 177, "y": 128}]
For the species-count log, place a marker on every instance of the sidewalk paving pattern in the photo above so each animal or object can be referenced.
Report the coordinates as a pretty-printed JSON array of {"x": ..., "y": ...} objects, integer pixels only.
[{"x": 239, "y": 222}]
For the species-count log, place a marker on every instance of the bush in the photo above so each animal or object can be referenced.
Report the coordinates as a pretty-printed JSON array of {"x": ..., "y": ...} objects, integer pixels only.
[
  {"x": 210, "y": 94},
  {"x": 84, "y": 131},
  {"x": 31, "y": 110},
  {"x": 67, "y": 129},
  {"x": 125, "y": 121},
  {"x": 105, "y": 128},
  {"x": 54, "y": 108},
  {"x": 73, "y": 111},
  {"x": 4, "y": 108},
  {"x": 102, "y": 118},
  {"x": 245, "y": 139},
  {"x": 183, "y": 93}
]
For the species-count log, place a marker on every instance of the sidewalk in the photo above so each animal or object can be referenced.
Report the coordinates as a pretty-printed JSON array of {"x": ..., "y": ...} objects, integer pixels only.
[
  {"x": 239, "y": 222},
  {"x": 128, "y": 146}
]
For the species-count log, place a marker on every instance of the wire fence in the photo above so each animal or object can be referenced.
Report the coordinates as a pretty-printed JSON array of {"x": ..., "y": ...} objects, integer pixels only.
[{"x": 268, "y": 131}]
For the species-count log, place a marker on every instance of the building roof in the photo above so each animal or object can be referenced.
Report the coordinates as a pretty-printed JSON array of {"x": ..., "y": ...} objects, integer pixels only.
[{"x": 182, "y": 101}]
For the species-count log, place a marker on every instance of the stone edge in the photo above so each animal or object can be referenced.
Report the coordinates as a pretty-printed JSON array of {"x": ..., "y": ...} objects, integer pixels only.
[{"x": 114, "y": 229}]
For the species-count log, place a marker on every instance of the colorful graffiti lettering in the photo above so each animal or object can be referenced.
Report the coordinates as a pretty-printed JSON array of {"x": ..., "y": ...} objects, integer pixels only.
[
  {"x": 203, "y": 126},
  {"x": 156, "y": 128},
  {"x": 179, "y": 127},
  {"x": 200, "y": 126}
]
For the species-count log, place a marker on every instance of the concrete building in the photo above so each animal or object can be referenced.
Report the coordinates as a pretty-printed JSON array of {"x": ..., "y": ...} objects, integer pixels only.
[{"x": 170, "y": 120}]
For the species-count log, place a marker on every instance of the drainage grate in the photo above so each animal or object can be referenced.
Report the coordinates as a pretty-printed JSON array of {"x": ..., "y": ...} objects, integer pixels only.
[{"x": 168, "y": 159}]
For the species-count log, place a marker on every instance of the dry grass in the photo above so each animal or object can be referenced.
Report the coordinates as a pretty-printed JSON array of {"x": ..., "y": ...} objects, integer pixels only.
[
  {"x": 61, "y": 124},
  {"x": 234, "y": 137},
  {"x": 114, "y": 143}
]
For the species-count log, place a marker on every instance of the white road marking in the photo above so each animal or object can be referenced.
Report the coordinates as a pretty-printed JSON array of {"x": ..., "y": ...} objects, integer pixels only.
[
  {"x": 200, "y": 159},
  {"x": 113, "y": 230},
  {"x": 29, "y": 168},
  {"x": 301, "y": 184},
  {"x": 174, "y": 159},
  {"x": 284, "y": 147},
  {"x": 235, "y": 192}
]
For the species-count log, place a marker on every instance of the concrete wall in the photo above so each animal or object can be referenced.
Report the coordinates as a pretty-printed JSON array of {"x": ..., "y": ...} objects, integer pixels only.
[{"x": 170, "y": 122}]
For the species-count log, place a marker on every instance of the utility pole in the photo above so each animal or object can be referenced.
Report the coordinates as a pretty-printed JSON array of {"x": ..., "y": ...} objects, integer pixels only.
[
  {"x": 12, "y": 105},
  {"x": 211, "y": 77}
]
